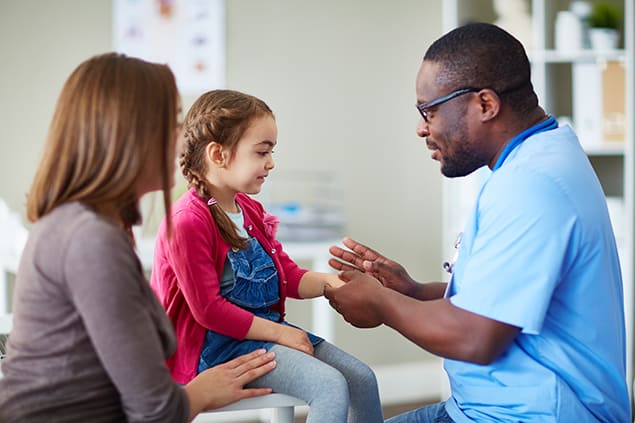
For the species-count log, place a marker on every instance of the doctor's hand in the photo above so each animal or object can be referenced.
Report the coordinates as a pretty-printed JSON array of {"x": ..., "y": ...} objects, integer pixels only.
[
  {"x": 390, "y": 273},
  {"x": 359, "y": 300}
]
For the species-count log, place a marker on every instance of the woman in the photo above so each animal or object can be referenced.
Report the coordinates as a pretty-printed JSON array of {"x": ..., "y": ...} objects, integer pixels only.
[{"x": 89, "y": 339}]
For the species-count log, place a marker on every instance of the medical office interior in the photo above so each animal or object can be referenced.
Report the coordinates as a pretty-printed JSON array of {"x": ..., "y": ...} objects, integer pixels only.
[{"x": 339, "y": 76}]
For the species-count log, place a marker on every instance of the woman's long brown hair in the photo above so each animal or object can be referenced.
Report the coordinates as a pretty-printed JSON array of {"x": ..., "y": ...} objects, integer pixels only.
[{"x": 114, "y": 113}]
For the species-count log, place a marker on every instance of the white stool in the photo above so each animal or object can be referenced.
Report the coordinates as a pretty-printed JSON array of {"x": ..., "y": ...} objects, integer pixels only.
[
  {"x": 283, "y": 407},
  {"x": 6, "y": 323}
]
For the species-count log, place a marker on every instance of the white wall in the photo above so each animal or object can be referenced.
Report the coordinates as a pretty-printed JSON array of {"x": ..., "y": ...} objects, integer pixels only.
[
  {"x": 40, "y": 44},
  {"x": 338, "y": 74}
]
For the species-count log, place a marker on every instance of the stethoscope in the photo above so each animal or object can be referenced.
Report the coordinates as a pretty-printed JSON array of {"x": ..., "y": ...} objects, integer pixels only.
[{"x": 448, "y": 266}]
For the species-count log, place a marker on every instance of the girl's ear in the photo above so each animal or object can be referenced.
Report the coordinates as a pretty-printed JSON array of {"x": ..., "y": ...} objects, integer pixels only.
[{"x": 216, "y": 154}]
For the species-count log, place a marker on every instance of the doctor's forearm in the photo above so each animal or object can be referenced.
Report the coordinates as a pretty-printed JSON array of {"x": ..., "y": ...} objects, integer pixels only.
[
  {"x": 445, "y": 330},
  {"x": 427, "y": 291}
]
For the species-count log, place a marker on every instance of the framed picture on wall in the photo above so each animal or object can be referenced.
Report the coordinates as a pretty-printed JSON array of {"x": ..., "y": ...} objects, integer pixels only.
[{"x": 188, "y": 35}]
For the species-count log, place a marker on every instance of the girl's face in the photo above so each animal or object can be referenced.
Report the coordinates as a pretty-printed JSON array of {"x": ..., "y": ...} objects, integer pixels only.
[{"x": 252, "y": 159}]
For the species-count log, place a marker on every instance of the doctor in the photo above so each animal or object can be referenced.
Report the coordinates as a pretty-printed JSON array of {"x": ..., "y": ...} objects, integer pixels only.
[{"x": 531, "y": 325}]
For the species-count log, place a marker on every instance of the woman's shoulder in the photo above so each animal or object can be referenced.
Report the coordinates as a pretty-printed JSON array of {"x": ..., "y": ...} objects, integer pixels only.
[
  {"x": 75, "y": 219},
  {"x": 72, "y": 233}
]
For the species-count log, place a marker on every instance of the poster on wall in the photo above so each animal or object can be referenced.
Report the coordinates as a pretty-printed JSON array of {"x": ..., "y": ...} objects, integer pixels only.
[{"x": 188, "y": 35}]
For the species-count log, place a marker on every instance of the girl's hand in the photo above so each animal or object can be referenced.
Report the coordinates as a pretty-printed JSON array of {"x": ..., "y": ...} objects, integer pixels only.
[
  {"x": 332, "y": 280},
  {"x": 313, "y": 283},
  {"x": 295, "y": 338},
  {"x": 289, "y": 336}
]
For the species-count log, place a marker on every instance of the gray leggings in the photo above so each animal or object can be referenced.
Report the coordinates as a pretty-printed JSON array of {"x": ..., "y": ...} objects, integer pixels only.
[{"x": 337, "y": 387}]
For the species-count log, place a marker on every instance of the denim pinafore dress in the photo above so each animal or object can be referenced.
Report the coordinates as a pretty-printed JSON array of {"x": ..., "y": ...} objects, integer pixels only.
[{"x": 254, "y": 287}]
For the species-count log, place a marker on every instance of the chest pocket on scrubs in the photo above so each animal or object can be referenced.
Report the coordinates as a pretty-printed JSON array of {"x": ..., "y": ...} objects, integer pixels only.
[{"x": 255, "y": 278}]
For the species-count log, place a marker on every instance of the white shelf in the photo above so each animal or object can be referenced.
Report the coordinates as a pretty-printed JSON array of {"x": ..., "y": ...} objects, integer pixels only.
[
  {"x": 579, "y": 56},
  {"x": 606, "y": 149}
]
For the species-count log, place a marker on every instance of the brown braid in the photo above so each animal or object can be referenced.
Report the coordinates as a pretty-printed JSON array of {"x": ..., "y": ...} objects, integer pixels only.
[{"x": 220, "y": 116}]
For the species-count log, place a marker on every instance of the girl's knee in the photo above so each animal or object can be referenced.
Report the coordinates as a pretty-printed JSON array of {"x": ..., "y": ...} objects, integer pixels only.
[
  {"x": 339, "y": 382},
  {"x": 331, "y": 397},
  {"x": 362, "y": 373},
  {"x": 333, "y": 381}
]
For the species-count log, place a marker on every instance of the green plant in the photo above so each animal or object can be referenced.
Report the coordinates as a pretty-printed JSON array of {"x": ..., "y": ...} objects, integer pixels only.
[{"x": 605, "y": 15}]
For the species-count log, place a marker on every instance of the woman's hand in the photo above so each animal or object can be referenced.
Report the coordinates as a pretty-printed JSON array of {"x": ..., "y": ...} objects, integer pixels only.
[{"x": 225, "y": 383}]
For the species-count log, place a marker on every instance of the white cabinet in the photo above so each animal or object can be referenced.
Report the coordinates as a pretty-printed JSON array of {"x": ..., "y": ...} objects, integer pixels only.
[{"x": 566, "y": 86}]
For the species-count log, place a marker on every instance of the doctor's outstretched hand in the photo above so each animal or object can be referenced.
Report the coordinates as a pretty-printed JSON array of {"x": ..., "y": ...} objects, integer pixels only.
[
  {"x": 358, "y": 300},
  {"x": 360, "y": 257}
]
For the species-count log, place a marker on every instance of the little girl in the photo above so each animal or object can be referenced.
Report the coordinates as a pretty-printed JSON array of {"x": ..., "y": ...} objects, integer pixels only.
[{"x": 223, "y": 277}]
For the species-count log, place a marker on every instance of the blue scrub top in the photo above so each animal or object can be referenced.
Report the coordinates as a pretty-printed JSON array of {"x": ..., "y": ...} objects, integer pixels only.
[{"x": 539, "y": 253}]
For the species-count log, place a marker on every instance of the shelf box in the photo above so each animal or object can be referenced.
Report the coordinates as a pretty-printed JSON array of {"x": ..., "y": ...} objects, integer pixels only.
[{"x": 599, "y": 103}]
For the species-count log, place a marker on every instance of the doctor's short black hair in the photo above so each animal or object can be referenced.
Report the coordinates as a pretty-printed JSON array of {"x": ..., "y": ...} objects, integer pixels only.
[{"x": 483, "y": 55}]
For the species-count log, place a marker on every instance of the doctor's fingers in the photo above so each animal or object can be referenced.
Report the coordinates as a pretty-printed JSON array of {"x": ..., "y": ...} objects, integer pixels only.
[
  {"x": 346, "y": 257},
  {"x": 340, "y": 265},
  {"x": 362, "y": 250}
]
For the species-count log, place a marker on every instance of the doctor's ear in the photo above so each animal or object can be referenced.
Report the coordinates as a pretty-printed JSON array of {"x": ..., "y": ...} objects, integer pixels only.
[
  {"x": 490, "y": 103},
  {"x": 217, "y": 154}
]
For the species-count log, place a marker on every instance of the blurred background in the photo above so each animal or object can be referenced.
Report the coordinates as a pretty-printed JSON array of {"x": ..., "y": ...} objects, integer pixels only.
[{"x": 339, "y": 76}]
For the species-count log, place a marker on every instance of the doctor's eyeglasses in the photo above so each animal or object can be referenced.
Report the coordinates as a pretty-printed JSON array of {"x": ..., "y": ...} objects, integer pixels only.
[{"x": 424, "y": 107}]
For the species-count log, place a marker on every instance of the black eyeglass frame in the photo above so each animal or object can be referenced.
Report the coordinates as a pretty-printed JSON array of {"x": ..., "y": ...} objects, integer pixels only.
[{"x": 423, "y": 107}]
